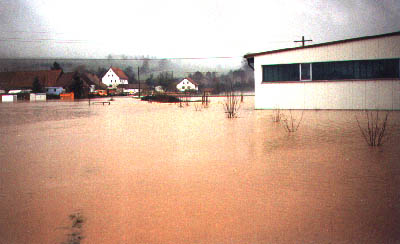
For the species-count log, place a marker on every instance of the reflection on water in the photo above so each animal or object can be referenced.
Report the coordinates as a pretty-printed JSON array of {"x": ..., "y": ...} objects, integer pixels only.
[{"x": 156, "y": 173}]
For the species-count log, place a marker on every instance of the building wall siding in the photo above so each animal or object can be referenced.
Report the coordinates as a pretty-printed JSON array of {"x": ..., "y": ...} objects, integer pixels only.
[
  {"x": 350, "y": 94},
  {"x": 377, "y": 94}
]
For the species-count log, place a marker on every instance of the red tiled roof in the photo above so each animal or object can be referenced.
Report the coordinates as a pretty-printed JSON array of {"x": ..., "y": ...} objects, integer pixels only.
[
  {"x": 93, "y": 79},
  {"x": 251, "y": 55},
  {"x": 66, "y": 79},
  {"x": 119, "y": 73},
  {"x": 24, "y": 79}
]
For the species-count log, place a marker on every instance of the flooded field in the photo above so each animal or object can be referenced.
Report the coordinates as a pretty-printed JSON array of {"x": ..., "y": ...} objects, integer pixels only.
[{"x": 138, "y": 172}]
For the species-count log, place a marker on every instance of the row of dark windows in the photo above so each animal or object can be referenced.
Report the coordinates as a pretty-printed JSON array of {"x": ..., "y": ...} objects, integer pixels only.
[{"x": 358, "y": 69}]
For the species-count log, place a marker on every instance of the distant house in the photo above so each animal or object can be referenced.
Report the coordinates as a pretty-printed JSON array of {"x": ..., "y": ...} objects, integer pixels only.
[
  {"x": 93, "y": 81},
  {"x": 23, "y": 80},
  {"x": 66, "y": 82},
  {"x": 54, "y": 82},
  {"x": 159, "y": 89},
  {"x": 54, "y": 90},
  {"x": 114, "y": 77},
  {"x": 187, "y": 84}
]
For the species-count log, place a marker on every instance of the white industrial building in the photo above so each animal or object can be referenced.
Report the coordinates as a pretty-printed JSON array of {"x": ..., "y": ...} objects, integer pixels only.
[{"x": 358, "y": 73}]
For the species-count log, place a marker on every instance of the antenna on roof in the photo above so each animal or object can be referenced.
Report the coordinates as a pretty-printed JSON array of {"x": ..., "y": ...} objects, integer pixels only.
[{"x": 303, "y": 41}]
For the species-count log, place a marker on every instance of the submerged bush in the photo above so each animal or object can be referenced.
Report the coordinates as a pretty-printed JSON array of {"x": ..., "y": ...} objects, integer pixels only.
[
  {"x": 276, "y": 115},
  {"x": 290, "y": 123},
  {"x": 197, "y": 107},
  {"x": 231, "y": 104},
  {"x": 375, "y": 127}
]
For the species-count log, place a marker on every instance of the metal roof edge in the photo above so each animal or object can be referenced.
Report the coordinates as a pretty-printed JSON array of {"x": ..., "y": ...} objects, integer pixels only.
[{"x": 251, "y": 55}]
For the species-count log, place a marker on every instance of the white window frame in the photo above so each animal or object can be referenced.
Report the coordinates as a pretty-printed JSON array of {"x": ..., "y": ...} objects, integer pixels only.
[{"x": 310, "y": 72}]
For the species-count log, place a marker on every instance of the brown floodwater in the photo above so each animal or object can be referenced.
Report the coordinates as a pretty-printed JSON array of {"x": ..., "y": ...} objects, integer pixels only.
[{"x": 141, "y": 172}]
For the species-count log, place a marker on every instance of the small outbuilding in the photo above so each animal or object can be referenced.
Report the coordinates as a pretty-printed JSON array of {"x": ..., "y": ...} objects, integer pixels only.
[
  {"x": 37, "y": 97},
  {"x": 358, "y": 73},
  {"x": 8, "y": 98}
]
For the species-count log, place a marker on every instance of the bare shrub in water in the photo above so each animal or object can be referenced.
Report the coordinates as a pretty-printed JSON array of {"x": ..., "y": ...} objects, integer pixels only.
[
  {"x": 276, "y": 115},
  {"x": 290, "y": 123},
  {"x": 197, "y": 107},
  {"x": 187, "y": 99},
  {"x": 231, "y": 104},
  {"x": 375, "y": 127}
]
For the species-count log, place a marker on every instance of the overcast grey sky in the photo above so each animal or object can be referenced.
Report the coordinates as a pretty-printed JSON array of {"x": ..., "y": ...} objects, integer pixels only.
[{"x": 183, "y": 28}]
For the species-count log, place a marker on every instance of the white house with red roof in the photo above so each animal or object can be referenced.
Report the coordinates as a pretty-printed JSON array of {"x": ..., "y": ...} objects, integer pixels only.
[
  {"x": 114, "y": 77},
  {"x": 187, "y": 84}
]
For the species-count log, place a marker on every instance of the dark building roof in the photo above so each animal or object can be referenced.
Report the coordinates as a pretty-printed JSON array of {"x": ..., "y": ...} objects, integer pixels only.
[
  {"x": 251, "y": 55},
  {"x": 66, "y": 79},
  {"x": 25, "y": 79},
  {"x": 48, "y": 78},
  {"x": 93, "y": 79}
]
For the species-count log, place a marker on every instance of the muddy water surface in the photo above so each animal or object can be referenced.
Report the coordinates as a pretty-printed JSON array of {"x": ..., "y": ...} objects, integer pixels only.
[{"x": 143, "y": 172}]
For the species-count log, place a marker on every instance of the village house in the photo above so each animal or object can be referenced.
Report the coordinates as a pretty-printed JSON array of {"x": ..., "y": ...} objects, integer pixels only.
[
  {"x": 187, "y": 84},
  {"x": 114, "y": 77},
  {"x": 56, "y": 91},
  {"x": 54, "y": 82},
  {"x": 23, "y": 80},
  {"x": 358, "y": 73},
  {"x": 158, "y": 89},
  {"x": 93, "y": 81},
  {"x": 90, "y": 82}
]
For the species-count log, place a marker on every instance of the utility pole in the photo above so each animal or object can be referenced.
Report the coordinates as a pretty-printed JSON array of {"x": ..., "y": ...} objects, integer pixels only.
[
  {"x": 303, "y": 41},
  {"x": 138, "y": 75}
]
